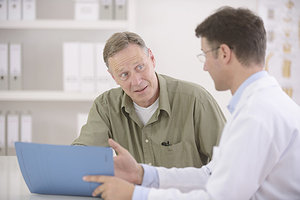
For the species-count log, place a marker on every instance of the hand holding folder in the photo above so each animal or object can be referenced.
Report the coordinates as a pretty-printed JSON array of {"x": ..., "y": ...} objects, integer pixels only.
[
  {"x": 58, "y": 169},
  {"x": 127, "y": 173}
]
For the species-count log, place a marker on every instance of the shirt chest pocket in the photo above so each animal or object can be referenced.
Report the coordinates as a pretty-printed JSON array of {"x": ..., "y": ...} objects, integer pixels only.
[{"x": 181, "y": 154}]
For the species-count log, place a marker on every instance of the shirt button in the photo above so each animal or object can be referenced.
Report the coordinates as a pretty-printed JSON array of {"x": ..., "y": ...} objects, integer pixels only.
[{"x": 146, "y": 140}]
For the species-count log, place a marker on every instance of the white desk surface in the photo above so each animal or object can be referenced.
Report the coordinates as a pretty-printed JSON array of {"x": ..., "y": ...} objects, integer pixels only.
[{"x": 13, "y": 186}]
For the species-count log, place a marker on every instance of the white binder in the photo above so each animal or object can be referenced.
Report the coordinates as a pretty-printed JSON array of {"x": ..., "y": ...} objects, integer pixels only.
[
  {"x": 15, "y": 69},
  {"x": 86, "y": 10},
  {"x": 103, "y": 78},
  {"x": 28, "y": 8},
  {"x": 87, "y": 67},
  {"x": 3, "y": 66},
  {"x": 12, "y": 132},
  {"x": 2, "y": 135},
  {"x": 71, "y": 66},
  {"x": 3, "y": 10},
  {"x": 14, "y": 9},
  {"x": 120, "y": 9},
  {"x": 106, "y": 9},
  {"x": 26, "y": 128}
]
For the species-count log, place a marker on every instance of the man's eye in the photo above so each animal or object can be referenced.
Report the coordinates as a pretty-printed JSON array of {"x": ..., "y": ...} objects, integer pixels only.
[
  {"x": 140, "y": 67},
  {"x": 124, "y": 75}
]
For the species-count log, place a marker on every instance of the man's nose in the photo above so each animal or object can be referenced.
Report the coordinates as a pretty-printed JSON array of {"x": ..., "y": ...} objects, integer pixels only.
[{"x": 136, "y": 79}]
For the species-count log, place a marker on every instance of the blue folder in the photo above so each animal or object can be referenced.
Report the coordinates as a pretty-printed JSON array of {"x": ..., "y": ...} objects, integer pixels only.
[{"x": 58, "y": 169}]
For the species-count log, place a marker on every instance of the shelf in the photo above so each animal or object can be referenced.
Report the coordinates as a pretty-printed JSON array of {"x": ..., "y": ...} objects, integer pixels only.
[
  {"x": 46, "y": 96},
  {"x": 66, "y": 24}
]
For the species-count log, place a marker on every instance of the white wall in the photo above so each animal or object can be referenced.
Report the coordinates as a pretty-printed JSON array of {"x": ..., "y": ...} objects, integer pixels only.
[{"x": 167, "y": 26}]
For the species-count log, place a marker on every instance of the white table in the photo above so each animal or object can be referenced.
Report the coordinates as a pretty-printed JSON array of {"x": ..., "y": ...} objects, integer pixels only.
[{"x": 13, "y": 186}]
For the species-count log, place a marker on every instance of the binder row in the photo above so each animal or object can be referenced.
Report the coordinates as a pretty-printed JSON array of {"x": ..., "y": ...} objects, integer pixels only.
[
  {"x": 100, "y": 9},
  {"x": 17, "y": 9},
  {"x": 14, "y": 126},
  {"x": 84, "y": 69},
  {"x": 10, "y": 66},
  {"x": 83, "y": 9}
]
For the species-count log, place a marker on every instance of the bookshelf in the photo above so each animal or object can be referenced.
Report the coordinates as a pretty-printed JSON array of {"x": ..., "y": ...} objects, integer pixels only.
[{"x": 54, "y": 111}]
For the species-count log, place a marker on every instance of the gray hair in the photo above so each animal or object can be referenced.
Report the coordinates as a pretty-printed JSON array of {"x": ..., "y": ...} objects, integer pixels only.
[{"x": 119, "y": 41}]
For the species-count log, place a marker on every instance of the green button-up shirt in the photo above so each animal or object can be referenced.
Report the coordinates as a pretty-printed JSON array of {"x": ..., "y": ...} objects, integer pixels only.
[{"x": 187, "y": 117}]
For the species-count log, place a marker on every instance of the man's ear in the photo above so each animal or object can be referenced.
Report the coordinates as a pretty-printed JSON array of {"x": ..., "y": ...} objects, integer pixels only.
[
  {"x": 109, "y": 71},
  {"x": 226, "y": 53},
  {"x": 152, "y": 57}
]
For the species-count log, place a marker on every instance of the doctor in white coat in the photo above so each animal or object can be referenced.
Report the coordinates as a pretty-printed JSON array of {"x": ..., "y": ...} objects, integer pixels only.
[{"x": 259, "y": 153}]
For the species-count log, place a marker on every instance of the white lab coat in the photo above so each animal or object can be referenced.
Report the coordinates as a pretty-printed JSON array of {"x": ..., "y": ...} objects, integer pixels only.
[{"x": 258, "y": 156}]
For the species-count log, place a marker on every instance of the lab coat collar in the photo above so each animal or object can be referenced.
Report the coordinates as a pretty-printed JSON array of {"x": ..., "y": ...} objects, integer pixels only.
[{"x": 237, "y": 95}]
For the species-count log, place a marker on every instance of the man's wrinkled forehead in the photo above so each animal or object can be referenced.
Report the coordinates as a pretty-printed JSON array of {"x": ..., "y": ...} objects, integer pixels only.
[{"x": 125, "y": 58}]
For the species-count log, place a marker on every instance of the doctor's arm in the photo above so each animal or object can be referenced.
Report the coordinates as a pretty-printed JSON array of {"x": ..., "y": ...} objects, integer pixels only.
[{"x": 128, "y": 169}]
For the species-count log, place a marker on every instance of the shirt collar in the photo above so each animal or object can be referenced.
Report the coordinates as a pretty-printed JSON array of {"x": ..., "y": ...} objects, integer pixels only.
[
  {"x": 126, "y": 104},
  {"x": 164, "y": 103},
  {"x": 237, "y": 95}
]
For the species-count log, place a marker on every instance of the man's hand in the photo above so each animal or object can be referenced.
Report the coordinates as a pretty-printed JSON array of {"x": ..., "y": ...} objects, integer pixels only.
[
  {"x": 125, "y": 165},
  {"x": 126, "y": 168},
  {"x": 112, "y": 188}
]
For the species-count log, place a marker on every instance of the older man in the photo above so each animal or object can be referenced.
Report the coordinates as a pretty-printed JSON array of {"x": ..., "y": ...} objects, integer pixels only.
[{"x": 160, "y": 120}]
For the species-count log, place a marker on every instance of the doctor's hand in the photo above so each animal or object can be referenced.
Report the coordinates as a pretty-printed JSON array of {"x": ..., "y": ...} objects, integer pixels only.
[
  {"x": 125, "y": 165},
  {"x": 112, "y": 188}
]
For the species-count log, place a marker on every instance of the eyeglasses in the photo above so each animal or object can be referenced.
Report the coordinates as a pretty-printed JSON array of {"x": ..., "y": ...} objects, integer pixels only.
[{"x": 202, "y": 56}]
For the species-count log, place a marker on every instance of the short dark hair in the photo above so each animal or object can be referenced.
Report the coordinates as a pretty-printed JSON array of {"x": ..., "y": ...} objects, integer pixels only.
[
  {"x": 240, "y": 29},
  {"x": 119, "y": 41}
]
